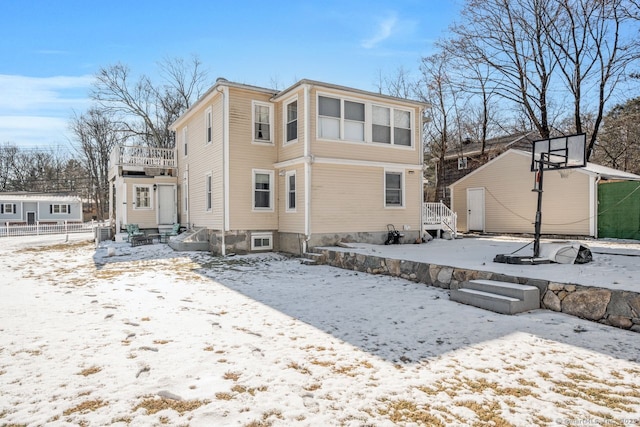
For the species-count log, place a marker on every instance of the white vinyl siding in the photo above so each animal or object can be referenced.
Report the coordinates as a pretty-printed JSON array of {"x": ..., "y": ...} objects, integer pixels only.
[{"x": 185, "y": 192}]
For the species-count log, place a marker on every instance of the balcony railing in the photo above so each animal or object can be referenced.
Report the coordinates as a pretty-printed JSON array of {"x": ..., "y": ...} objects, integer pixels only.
[{"x": 136, "y": 155}]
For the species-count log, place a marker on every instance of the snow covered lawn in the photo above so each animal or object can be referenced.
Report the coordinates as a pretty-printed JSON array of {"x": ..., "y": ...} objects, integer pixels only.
[{"x": 155, "y": 337}]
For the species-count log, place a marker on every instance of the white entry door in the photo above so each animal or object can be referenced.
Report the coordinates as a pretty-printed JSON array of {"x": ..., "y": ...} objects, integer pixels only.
[
  {"x": 166, "y": 204},
  {"x": 475, "y": 209}
]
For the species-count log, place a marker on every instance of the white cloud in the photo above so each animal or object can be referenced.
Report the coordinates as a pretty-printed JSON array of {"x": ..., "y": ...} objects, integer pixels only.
[
  {"x": 22, "y": 93},
  {"x": 34, "y": 131},
  {"x": 36, "y": 110},
  {"x": 385, "y": 30}
]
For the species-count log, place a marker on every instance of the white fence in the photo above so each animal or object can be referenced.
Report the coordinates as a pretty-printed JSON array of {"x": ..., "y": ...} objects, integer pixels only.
[{"x": 12, "y": 229}]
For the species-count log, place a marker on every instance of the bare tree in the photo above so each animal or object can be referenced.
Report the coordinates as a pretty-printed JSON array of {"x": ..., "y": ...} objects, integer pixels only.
[
  {"x": 509, "y": 36},
  {"x": 586, "y": 38},
  {"x": 146, "y": 109},
  {"x": 619, "y": 141},
  {"x": 443, "y": 118},
  {"x": 97, "y": 134}
]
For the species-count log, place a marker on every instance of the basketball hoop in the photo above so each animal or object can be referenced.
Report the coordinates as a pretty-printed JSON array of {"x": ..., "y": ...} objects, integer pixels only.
[{"x": 564, "y": 173}]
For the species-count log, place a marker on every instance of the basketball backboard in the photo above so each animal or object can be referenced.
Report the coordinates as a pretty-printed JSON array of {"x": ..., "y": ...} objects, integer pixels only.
[{"x": 563, "y": 152}]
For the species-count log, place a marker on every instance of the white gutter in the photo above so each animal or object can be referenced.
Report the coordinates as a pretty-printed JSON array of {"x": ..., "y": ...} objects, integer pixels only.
[
  {"x": 421, "y": 148},
  {"x": 594, "y": 207}
]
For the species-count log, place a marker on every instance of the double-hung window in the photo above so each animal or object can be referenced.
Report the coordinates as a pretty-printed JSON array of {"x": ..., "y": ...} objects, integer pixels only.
[
  {"x": 402, "y": 127},
  {"x": 262, "y": 122},
  {"x": 393, "y": 189},
  {"x": 8, "y": 208},
  {"x": 381, "y": 124},
  {"x": 291, "y": 191},
  {"x": 329, "y": 117},
  {"x": 208, "y": 125},
  {"x": 353, "y": 121},
  {"x": 142, "y": 197},
  {"x": 291, "y": 131},
  {"x": 185, "y": 139},
  {"x": 262, "y": 190},
  {"x": 208, "y": 192}
]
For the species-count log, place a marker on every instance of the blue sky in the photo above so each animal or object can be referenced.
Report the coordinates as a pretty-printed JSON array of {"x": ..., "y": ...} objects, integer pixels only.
[{"x": 50, "y": 50}]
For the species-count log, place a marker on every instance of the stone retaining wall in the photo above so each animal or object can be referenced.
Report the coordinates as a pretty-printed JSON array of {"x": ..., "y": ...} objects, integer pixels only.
[{"x": 611, "y": 307}]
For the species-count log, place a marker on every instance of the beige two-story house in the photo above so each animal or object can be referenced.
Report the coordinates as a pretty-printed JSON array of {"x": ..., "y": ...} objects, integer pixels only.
[{"x": 261, "y": 169}]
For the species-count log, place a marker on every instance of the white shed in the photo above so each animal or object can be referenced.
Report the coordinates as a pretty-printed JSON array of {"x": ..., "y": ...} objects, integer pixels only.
[{"x": 498, "y": 197}]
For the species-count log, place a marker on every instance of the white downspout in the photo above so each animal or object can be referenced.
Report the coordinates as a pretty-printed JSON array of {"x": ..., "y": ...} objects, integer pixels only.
[
  {"x": 307, "y": 170},
  {"x": 421, "y": 143},
  {"x": 225, "y": 169},
  {"x": 594, "y": 207}
]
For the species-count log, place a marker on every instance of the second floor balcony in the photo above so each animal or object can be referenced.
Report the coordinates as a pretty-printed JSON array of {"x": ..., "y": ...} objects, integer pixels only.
[{"x": 137, "y": 157}]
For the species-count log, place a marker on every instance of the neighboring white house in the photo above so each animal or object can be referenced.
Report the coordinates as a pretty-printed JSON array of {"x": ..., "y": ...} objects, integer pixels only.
[
  {"x": 497, "y": 197},
  {"x": 30, "y": 208}
]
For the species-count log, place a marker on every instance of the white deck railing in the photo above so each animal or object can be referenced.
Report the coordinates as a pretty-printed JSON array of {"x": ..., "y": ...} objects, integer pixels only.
[
  {"x": 137, "y": 155},
  {"x": 439, "y": 216},
  {"x": 13, "y": 229}
]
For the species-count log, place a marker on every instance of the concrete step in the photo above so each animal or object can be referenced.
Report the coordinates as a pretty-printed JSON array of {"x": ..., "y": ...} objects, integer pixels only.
[
  {"x": 312, "y": 258},
  {"x": 500, "y": 297}
]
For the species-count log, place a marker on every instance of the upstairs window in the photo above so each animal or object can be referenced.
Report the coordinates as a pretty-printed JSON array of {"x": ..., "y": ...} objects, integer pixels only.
[
  {"x": 381, "y": 128},
  {"x": 261, "y": 122},
  {"x": 292, "y": 121},
  {"x": 353, "y": 121},
  {"x": 208, "y": 125},
  {"x": 462, "y": 163},
  {"x": 329, "y": 117},
  {"x": 184, "y": 140},
  {"x": 402, "y": 128}
]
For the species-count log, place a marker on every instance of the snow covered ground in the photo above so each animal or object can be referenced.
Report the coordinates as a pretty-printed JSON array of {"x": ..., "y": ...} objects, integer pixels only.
[{"x": 154, "y": 337}]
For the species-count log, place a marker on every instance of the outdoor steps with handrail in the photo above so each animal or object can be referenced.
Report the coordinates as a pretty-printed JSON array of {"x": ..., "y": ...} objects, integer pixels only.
[
  {"x": 437, "y": 216},
  {"x": 500, "y": 297}
]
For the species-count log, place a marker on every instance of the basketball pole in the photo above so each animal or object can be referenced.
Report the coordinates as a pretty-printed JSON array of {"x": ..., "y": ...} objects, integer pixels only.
[{"x": 538, "y": 224}]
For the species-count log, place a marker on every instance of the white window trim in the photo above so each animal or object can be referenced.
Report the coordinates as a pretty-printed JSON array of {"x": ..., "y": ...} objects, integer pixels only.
[
  {"x": 262, "y": 235},
  {"x": 253, "y": 123},
  {"x": 208, "y": 119},
  {"x": 402, "y": 189},
  {"x": 59, "y": 206},
  {"x": 253, "y": 190},
  {"x": 287, "y": 208},
  {"x": 208, "y": 192},
  {"x": 135, "y": 198},
  {"x": 10, "y": 205},
  {"x": 284, "y": 121},
  {"x": 368, "y": 122},
  {"x": 463, "y": 163},
  {"x": 185, "y": 141}
]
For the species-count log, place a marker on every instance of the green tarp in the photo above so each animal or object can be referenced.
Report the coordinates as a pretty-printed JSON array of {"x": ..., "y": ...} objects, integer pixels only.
[{"x": 619, "y": 210}]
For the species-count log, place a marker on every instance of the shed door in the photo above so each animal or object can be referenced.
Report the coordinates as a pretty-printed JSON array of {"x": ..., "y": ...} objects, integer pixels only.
[
  {"x": 166, "y": 204},
  {"x": 475, "y": 209}
]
